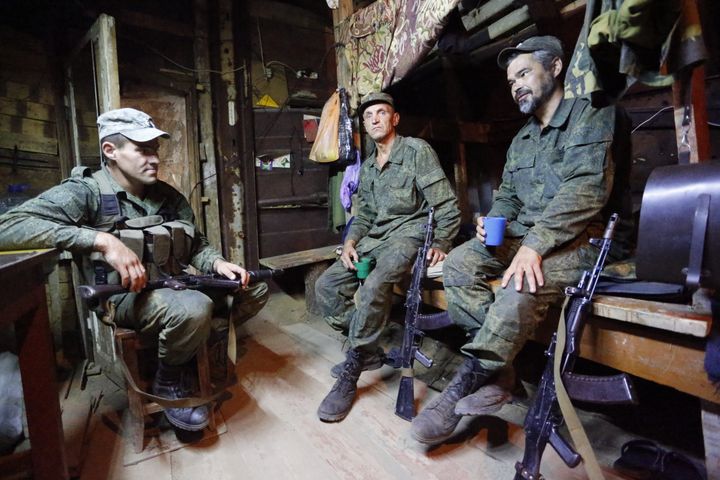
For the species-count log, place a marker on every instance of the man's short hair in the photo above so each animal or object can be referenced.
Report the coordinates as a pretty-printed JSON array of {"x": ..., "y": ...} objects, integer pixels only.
[{"x": 117, "y": 139}]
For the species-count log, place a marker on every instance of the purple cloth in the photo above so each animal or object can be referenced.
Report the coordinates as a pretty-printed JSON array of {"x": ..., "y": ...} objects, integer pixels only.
[{"x": 350, "y": 182}]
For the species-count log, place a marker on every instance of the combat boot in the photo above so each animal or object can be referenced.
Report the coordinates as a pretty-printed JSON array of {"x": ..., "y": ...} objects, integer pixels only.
[
  {"x": 169, "y": 384},
  {"x": 438, "y": 420},
  {"x": 336, "y": 405},
  {"x": 371, "y": 361}
]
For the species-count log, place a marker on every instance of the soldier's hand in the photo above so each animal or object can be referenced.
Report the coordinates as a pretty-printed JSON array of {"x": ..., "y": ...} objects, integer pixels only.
[
  {"x": 231, "y": 271},
  {"x": 527, "y": 264},
  {"x": 480, "y": 228},
  {"x": 435, "y": 255},
  {"x": 349, "y": 255},
  {"x": 123, "y": 260}
]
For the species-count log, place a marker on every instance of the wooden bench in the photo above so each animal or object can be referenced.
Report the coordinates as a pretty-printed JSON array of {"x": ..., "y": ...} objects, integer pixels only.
[
  {"x": 316, "y": 261},
  {"x": 297, "y": 259},
  {"x": 661, "y": 342}
]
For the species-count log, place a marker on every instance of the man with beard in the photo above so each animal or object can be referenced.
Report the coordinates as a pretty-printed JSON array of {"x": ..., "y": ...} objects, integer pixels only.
[
  {"x": 399, "y": 181},
  {"x": 555, "y": 191}
]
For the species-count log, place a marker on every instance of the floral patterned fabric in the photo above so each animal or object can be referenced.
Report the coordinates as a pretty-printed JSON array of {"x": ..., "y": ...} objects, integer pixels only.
[{"x": 386, "y": 39}]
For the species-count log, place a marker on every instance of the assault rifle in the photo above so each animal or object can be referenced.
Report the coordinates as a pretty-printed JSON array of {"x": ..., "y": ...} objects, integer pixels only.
[
  {"x": 415, "y": 323},
  {"x": 93, "y": 294},
  {"x": 545, "y": 417}
]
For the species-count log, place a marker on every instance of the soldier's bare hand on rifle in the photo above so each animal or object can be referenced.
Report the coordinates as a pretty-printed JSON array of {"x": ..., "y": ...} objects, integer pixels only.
[
  {"x": 435, "y": 255},
  {"x": 231, "y": 271},
  {"x": 123, "y": 260},
  {"x": 349, "y": 255},
  {"x": 527, "y": 264}
]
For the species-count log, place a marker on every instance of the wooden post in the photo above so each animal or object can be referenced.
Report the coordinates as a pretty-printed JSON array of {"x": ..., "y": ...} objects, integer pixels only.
[
  {"x": 208, "y": 168},
  {"x": 711, "y": 434},
  {"x": 691, "y": 128},
  {"x": 461, "y": 183}
]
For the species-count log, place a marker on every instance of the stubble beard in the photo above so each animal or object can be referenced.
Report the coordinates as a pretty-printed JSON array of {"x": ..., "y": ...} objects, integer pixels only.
[{"x": 530, "y": 104}]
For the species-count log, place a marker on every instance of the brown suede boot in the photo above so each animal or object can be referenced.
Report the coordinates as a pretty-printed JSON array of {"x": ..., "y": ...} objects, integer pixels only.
[{"x": 438, "y": 420}]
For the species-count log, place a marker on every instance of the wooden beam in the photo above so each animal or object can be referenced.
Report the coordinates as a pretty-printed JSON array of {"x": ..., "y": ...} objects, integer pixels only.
[
  {"x": 154, "y": 23},
  {"x": 445, "y": 130},
  {"x": 282, "y": 12},
  {"x": 546, "y": 15}
]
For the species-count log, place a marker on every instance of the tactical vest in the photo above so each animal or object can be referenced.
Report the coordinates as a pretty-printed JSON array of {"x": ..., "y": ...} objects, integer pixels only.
[{"x": 162, "y": 242}]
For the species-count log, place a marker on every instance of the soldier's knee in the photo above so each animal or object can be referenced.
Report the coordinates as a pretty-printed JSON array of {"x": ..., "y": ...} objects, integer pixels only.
[
  {"x": 323, "y": 289},
  {"x": 456, "y": 271},
  {"x": 453, "y": 260}
]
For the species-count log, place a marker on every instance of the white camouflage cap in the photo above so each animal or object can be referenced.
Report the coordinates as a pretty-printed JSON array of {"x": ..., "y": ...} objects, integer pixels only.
[{"x": 133, "y": 124}]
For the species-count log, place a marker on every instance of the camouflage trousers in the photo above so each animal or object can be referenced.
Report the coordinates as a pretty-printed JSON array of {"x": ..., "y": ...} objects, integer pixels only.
[
  {"x": 182, "y": 320},
  {"x": 499, "y": 324},
  {"x": 361, "y": 311}
]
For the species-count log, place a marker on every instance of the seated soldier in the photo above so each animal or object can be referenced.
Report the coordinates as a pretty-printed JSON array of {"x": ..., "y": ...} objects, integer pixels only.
[
  {"x": 85, "y": 213},
  {"x": 566, "y": 170},
  {"x": 399, "y": 182}
]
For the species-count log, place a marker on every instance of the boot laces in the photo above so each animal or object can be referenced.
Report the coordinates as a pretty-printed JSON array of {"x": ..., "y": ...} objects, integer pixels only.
[{"x": 457, "y": 389}]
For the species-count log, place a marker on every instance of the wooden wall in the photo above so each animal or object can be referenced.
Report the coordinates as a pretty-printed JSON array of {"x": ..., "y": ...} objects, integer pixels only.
[{"x": 292, "y": 202}]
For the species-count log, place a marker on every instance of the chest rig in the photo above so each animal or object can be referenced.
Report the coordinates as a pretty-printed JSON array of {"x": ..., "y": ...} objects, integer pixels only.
[{"x": 162, "y": 242}]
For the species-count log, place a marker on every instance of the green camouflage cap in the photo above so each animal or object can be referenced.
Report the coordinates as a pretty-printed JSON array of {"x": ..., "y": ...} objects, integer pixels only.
[
  {"x": 133, "y": 124},
  {"x": 532, "y": 44},
  {"x": 375, "y": 97}
]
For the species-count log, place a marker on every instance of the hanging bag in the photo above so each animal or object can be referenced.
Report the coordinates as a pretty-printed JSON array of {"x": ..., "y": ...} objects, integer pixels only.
[
  {"x": 346, "y": 149},
  {"x": 325, "y": 148}
]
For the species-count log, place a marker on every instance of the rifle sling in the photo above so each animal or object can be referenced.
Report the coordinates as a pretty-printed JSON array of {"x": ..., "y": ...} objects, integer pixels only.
[
  {"x": 577, "y": 433},
  {"x": 187, "y": 402}
]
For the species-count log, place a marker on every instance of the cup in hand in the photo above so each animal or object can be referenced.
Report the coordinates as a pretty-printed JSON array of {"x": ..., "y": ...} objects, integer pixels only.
[
  {"x": 494, "y": 230},
  {"x": 363, "y": 266}
]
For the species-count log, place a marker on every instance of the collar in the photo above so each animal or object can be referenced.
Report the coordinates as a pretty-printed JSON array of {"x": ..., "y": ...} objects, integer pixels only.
[
  {"x": 393, "y": 157},
  {"x": 561, "y": 115},
  {"x": 559, "y": 118},
  {"x": 152, "y": 203}
]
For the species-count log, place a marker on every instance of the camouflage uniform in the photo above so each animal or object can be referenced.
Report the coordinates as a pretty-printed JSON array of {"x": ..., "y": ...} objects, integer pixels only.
[
  {"x": 388, "y": 227},
  {"x": 554, "y": 186},
  {"x": 64, "y": 217}
]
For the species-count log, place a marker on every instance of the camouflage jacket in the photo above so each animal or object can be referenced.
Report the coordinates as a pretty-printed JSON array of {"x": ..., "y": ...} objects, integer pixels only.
[
  {"x": 394, "y": 200},
  {"x": 556, "y": 181},
  {"x": 64, "y": 217}
]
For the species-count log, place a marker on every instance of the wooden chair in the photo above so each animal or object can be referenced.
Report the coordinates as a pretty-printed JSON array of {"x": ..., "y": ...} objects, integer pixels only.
[{"x": 127, "y": 345}]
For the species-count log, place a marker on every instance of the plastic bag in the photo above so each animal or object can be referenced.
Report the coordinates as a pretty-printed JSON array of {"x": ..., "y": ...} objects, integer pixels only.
[
  {"x": 346, "y": 149},
  {"x": 325, "y": 148}
]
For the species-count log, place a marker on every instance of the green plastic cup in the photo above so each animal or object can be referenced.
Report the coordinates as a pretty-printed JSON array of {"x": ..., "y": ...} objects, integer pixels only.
[{"x": 364, "y": 266}]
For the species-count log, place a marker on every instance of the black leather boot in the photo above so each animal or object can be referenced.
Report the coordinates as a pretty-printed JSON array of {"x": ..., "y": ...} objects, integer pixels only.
[
  {"x": 438, "y": 420},
  {"x": 336, "y": 405},
  {"x": 169, "y": 384},
  {"x": 372, "y": 361}
]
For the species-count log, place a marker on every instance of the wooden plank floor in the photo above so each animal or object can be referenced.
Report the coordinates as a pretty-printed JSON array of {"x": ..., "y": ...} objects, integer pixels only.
[{"x": 273, "y": 431}]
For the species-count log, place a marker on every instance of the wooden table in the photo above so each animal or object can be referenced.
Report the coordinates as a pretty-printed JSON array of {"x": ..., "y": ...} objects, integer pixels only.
[{"x": 22, "y": 302}]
